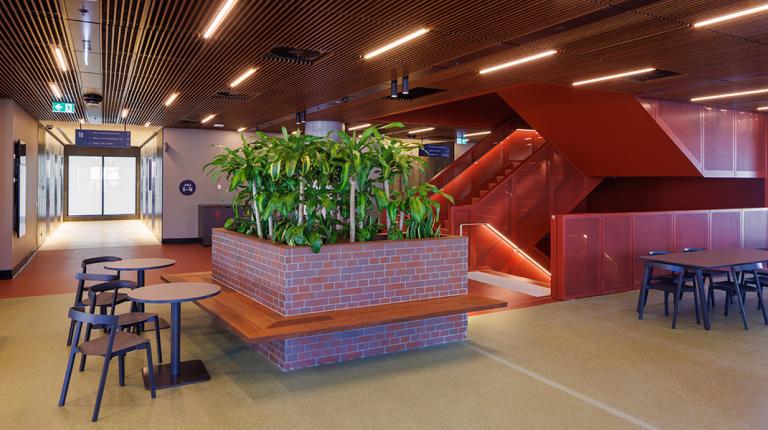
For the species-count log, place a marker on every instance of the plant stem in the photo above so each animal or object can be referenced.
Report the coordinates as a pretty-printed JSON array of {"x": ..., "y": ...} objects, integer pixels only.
[
  {"x": 352, "y": 225},
  {"x": 271, "y": 223},
  {"x": 386, "y": 191},
  {"x": 255, "y": 205},
  {"x": 301, "y": 203}
]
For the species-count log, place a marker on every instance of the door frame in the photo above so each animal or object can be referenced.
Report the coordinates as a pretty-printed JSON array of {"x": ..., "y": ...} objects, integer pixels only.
[{"x": 95, "y": 151}]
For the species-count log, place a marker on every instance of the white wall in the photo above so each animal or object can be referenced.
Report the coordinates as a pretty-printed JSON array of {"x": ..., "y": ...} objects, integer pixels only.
[{"x": 186, "y": 152}]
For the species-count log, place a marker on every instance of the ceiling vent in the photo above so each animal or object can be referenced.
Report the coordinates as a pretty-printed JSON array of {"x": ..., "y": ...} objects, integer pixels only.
[
  {"x": 415, "y": 93},
  {"x": 287, "y": 54},
  {"x": 650, "y": 76},
  {"x": 189, "y": 121},
  {"x": 226, "y": 95}
]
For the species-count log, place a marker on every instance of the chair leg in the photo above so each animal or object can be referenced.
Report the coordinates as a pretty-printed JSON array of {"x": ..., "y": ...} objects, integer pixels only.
[
  {"x": 727, "y": 303},
  {"x": 741, "y": 308},
  {"x": 67, "y": 377},
  {"x": 151, "y": 370},
  {"x": 100, "y": 393},
  {"x": 696, "y": 300},
  {"x": 711, "y": 298},
  {"x": 71, "y": 332},
  {"x": 666, "y": 304},
  {"x": 676, "y": 302},
  {"x": 157, "y": 339},
  {"x": 121, "y": 369},
  {"x": 760, "y": 304},
  {"x": 87, "y": 338}
]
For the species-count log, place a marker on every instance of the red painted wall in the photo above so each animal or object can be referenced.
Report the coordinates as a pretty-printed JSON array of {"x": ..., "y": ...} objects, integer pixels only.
[{"x": 665, "y": 194}]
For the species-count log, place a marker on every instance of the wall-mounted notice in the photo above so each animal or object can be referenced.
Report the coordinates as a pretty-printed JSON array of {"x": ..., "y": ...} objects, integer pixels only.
[
  {"x": 436, "y": 151},
  {"x": 103, "y": 138}
]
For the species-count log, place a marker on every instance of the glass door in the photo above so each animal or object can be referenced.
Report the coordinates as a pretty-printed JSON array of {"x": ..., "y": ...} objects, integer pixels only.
[{"x": 101, "y": 186}]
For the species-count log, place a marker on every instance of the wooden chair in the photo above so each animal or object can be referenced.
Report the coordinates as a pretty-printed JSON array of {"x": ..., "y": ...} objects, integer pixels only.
[
  {"x": 671, "y": 284},
  {"x": 129, "y": 320},
  {"x": 736, "y": 288},
  {"x": 82, "y": 288},
  {"x": 115, "y": 344}
]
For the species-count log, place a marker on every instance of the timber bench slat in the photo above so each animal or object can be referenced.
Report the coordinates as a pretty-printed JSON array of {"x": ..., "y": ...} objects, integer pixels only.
[{"x": 256, "y": 323}]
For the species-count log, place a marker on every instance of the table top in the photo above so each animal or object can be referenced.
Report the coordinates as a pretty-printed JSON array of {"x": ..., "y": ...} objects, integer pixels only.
[
  {"x": 140, "y": 264},
  {"x": 711, "y": 259},
  {"x": 174, "y": 292}
]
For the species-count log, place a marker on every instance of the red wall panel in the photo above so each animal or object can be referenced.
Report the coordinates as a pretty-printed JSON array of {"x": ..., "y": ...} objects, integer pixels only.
[
  {"x": 691, "y": 230},
  {"x": 617, "y": 255},
  {"x": 684, "y": 122},
  {"x": 725, "y": 229},
  {"x": 755, "y": 228},
  {"x": 582, "y": 256},
  {"x": 652, "y": 232},
  {"x": 750, "y": 158},
  {"x": 718, "y": 141}
]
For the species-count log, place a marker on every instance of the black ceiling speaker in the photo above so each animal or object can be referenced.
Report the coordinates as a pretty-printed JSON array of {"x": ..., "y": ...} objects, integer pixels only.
[
  {"x": 92, "y": 99},
  {"x": 293, "y": 55}
]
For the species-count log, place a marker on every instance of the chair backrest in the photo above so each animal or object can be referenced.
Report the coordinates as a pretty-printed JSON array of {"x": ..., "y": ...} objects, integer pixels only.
[
  {"x": 95, "y": 260},
  {"x": 751, "y": 267},
  {"x": 78, "y": 314},
  {"x": 651, "y": 253},
  {"x": 693, "y": 249},
  {"x": 111, "y": 285},
  {"x": 670, "y": 267},
  {"x": 102, "y": 277}
]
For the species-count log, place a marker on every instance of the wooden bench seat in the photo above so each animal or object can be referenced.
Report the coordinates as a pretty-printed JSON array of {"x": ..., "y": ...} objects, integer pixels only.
[{"x": 256, "y": 323}]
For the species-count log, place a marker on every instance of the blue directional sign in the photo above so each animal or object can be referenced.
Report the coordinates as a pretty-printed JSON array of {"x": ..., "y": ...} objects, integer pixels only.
[
  {"x": 103, "y": 138},
  {"x": 61, "y": 107},
  {"x": 436, "y": 151}
]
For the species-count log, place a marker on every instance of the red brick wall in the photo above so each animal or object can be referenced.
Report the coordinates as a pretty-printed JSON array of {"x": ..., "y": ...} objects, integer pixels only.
[
  {"x": 293, "y": 280},
  {"x": 315, "y": 350}
]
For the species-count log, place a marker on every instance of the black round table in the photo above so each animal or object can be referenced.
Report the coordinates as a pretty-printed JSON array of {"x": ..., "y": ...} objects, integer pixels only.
[
  {"x": 140, "y": 266},
  {"x": 177, "y": 372}
]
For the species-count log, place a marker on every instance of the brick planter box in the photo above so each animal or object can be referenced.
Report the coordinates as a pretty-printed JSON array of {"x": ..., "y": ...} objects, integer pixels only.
[{"x": 295, "y": 281}]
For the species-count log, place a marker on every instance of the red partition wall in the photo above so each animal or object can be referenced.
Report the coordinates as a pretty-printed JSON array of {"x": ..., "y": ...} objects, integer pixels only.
[{"x": 595, "y": 254}]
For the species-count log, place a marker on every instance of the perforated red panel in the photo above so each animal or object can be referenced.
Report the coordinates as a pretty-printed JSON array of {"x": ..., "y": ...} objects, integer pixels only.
[
  {"x": 750, "y": 144},
  {"x": 569, "y": 184},
  {"x": 531, "y": 197},
  {"x": 488, "y": 251},
  {"x": 683, "y": 120},
  {"x": 718, "y": 139},
  {"x": 691, "y": 230},
  {"x": 652, "y": 232},
  {"x": 755, "y": 229},
  {"x": 581, "y": 256},
  {"x": 617, "y": 256},
  {"x": 725, "y": 229}
]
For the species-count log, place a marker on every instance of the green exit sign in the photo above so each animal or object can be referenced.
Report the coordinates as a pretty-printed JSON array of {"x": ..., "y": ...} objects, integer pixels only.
[{"x": 59, "y": 107}]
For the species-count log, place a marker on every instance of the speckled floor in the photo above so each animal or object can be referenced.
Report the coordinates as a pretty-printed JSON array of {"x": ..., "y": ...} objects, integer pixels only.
[{"x": 582, "y": 364}]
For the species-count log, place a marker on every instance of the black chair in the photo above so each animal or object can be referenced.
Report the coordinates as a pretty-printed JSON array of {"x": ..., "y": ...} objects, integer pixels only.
[
  {"x": 659, "y": 278},
  {"x": 83, "y": 288},
  {"x": 672, "y": 284},
  {"x": 115, "y": 344},
  {"x": 129, "y": 320},
  {"x": 708, "y": 276},
  {"x": 736, "y": 288}
]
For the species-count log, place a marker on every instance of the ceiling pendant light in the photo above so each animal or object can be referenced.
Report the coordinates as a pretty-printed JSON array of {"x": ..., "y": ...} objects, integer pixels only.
[
  {"x": 518, "y": 61},
  {"x": 396, "y": 43},
  {"x": 55, "y": 90},
  {"x": 171, "y": 99},
  {"x": 208, "y": 118},
  {"x": 615, "y": 76},
  {"x": 406, "y": 84},
  {"x": 60, "y": 58},
  {"x": 393, "y": 88},
  {"x": 243, "y": 77},
  {"x": 730, "y": 16},
  {"x": 219, "y": 18},
  {"x": 729, "y": 95},
  {"x": 298, "y": 118},
  {"x": 303, "y": 117}
]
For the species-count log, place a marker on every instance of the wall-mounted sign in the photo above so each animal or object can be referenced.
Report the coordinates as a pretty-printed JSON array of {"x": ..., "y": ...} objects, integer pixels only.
[
  {"x": 436, "y": 151},
  {"x": 460, "y": 138},
  {"x": 103, "y": 138},
  {"x": 61, "y": 107},
  {"x": 187, "y": 187}
]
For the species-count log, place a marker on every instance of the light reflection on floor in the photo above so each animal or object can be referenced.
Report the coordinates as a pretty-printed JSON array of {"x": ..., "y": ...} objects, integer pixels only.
[{"x": 99, "y": 234}]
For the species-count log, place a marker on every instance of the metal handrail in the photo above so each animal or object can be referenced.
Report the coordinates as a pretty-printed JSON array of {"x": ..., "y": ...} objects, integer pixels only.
[{"x": 508, "y": 242}]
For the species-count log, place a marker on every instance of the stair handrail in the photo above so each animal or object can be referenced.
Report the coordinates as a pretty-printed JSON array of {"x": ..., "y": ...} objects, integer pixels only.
[{"x": 509, "y": 242}]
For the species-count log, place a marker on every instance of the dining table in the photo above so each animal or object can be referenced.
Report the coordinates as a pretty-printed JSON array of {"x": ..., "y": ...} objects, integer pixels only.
[
  {"x": 701, "y": 261},
  {"x": 140, "y": 266},
  {"x": 176, "y": 372}
]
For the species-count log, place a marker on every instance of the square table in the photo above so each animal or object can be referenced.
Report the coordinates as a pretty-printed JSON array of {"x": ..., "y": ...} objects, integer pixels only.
[{"x": 699, "y": 261}]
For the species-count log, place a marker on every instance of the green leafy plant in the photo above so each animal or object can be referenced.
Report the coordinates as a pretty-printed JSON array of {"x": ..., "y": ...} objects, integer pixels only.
[{"x": 308, "y": 191}]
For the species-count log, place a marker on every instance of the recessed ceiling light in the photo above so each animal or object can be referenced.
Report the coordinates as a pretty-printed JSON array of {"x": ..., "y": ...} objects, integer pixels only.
[
  {"x": 479, "y": 133},
  {"x": 124, "y": 113},
  {"x": 762, "y": 108},
  {"x": 82, "y": 120},
  {"x": 519, "y": 61},
  {"x": 405, "y": 39},
  {"x": 219, "y": 125},
  {"x": 728, "y": 95},
  {"x": 147, "y": 124},
  {"x": 241, "y": 129},
  {"x": 733, "y": 15},
  {"x": 243, "y": 77},
  {"x": 219, "y": 18},
  {"x": 60, "y": 58},
  {"x": 55, "y": 90},
  {"x": 171, "y": 99},
  {"x": 358, "y": 127},
  {"x": 421, "y": 130},
  {"x": 616, "y": 76},
  {"x": 208, "y": 118}
]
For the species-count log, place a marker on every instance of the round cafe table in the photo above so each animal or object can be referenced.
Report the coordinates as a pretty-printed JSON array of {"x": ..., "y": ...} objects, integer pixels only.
[
  {"x": 177, "y": 372},
  {"x": 140, "y": 266}
]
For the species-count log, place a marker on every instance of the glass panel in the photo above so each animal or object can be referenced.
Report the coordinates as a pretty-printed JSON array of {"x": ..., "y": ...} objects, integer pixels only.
[
  {"x": 84, "y": 185},
  {"x": 119, "y": 185}
]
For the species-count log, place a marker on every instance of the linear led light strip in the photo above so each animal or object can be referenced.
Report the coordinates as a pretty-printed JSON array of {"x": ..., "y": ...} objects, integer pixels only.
[
  {"x": 729, "y": 95},
  {"x": 243, "y": 77},
  {"x": 217, "y": 20},
  {"x": 55, "y": 90},
  {"x": 519, "y": 61},
  {"x": 762, "y": 108},
  {"x": 208, "y": 118},
  {"x": 171, "y": 99},
  {"x": 730, "y": 16},
  {"x": 358, "y": 127},
  {"x": 241, "y": 129},
  {"x": 616, "y": 76},
  {"x": 479, "y": 133},
  {"x": 60, "y": 58},
  {"x": 405, "y": 39},
  {"x": 421, "y": 130},
  {"x": 508, "y": 242}
]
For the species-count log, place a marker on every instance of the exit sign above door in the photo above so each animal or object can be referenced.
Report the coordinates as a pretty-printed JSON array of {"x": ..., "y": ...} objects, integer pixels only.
[{"x": 60, "y": 107}]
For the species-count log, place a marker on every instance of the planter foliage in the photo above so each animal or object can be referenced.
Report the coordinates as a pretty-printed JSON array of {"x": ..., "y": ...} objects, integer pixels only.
[{"x": 298, "y": 189}]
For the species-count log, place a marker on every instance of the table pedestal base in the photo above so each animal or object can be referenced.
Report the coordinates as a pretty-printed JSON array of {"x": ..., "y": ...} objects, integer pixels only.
[{"x": 190, "y": 372}]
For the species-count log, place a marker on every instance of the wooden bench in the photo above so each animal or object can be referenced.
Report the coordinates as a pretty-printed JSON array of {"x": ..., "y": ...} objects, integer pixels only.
[{"x": 256, "y": 323}]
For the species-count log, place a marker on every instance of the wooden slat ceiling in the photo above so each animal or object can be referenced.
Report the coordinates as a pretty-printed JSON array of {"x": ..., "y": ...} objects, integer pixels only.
[{"x": 152, "y": 48}]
